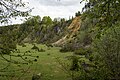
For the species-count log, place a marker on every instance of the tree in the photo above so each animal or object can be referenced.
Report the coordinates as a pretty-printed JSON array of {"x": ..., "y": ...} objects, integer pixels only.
[
  {"x": 77, "y": 14},
  {"x": 107, "y": 54},
  {"x": 32, "y": 21},
  {"x": 7, "y": 41},
  {"x": 104, "y": 59},
  {"x": 11, "y": 8},
  {"x": 47, "y": 21},
  {"x": 106, "y": 11}
]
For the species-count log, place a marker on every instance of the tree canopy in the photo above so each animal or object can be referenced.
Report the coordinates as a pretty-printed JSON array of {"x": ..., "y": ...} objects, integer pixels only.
[
  {"x": 106, "y": 11},
  {"x": 11, "y": 8}
]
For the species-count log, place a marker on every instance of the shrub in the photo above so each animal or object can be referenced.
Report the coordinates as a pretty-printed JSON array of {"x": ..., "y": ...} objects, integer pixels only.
[
  {"x": 35, "y": 48},
  {"x": 41, "y": 50},
  {"x": 49, "y": 45},
  {"x": 22, "y": 44},
  {"x": 107, "y": 54},
  {"x": 36, "y": 76},
  {"x": 80, "y": 51},
  {"x": 69, "y": 47}
]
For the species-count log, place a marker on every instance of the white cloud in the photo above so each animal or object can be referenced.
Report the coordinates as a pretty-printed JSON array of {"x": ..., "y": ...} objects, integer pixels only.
[
  {"x": 53, "y": 8},
  {"x": 58, "y": 2}
]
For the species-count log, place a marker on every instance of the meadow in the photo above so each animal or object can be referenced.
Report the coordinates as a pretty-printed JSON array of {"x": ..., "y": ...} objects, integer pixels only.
[{"x": 28, "y": 62}]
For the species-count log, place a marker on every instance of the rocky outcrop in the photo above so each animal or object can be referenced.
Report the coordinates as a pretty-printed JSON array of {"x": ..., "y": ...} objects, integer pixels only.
[{"x": 72, "y": 30}]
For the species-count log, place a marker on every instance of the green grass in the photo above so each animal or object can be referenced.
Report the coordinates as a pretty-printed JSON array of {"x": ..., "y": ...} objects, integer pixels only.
[{"x": 47, "y": 64}]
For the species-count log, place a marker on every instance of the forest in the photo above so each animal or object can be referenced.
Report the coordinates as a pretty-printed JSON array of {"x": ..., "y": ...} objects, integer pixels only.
[{"x": 83, "y": 47}]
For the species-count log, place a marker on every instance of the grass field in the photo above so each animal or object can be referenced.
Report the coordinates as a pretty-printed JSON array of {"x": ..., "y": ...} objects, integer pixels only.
[{"x": 47, "y": 64}]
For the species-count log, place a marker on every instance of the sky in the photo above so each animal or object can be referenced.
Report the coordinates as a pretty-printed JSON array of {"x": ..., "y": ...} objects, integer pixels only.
[
  {"x": 55, "y": 8},
  {"x": 52, "y": 8}
]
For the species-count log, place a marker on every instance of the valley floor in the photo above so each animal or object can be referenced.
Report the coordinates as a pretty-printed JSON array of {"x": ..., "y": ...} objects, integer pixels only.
[{"x": 47, "y": 63}]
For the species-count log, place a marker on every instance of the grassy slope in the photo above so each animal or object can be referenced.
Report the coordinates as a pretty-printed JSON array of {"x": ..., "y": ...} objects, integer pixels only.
[{"x": 46, "y": 64}]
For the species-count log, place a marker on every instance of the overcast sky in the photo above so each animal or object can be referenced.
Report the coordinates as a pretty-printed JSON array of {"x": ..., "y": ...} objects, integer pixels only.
[{"x": 53, "y": 8}]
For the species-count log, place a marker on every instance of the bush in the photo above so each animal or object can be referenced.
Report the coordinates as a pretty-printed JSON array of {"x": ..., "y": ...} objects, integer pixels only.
[
  {"x": 104, "y": 58},
  {"x": 22, "y": 44},
  {"x": 65, "y": 49},
  {"x": 36, "y": 76},
  {"x": 69, "y": 47},
  {"x": 107, "y": 55},
  {"x": 49, "y": 45},
  {"x": 35, "y": 48},
  {"x": 80, "y": 51},
  {"x": 41, "y": 50}
]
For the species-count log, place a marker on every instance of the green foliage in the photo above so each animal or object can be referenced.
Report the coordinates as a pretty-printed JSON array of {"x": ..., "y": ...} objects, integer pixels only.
[
  {"x": 103, "y": 59},
  {"x": 103, "y": 11},
  {"x": 9, "y": 9},
  {"x": 100, "y": 26},
  {"x": 75, "y": 64},
  {"x": 41, "y": 31},
  {"x": 47, "y": 21},
  {"x": 46, "y": 64},
  {"x": 104, "y": 62},
  {"x": 7, "y": 41},
  {"x": 36, "y": 77},
  {"x": 108, "y": 52},
  {"x": 102, "y": 29},
  {"x": 68, "y": 47},
  {"x": 22, "y": 44},
  {"x": 35, "y": 48},
  {"x": 78, "y": 14},
  {"x": 33, "y": 22},
  {"x": 80, "y": 51},
  {"x": 41, "y": 50}
]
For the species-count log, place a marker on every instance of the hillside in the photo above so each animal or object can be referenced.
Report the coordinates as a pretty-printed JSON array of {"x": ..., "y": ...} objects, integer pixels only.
[
  {"x": 71, "y": 33},
  {"x": 55, "y": 33}
]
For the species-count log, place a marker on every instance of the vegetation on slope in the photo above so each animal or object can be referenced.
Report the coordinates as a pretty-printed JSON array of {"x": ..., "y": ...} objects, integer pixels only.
[{"x": 96, "y": 45}]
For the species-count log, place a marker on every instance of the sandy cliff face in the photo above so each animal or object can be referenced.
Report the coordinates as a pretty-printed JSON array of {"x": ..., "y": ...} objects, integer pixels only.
[{"x": 71, "y": 32}]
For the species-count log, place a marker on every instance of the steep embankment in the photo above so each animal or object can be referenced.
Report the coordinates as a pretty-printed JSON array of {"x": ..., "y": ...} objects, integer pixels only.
[
  {"x": 57, "y": 34},
  {"x": 71, "y": 32}
]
